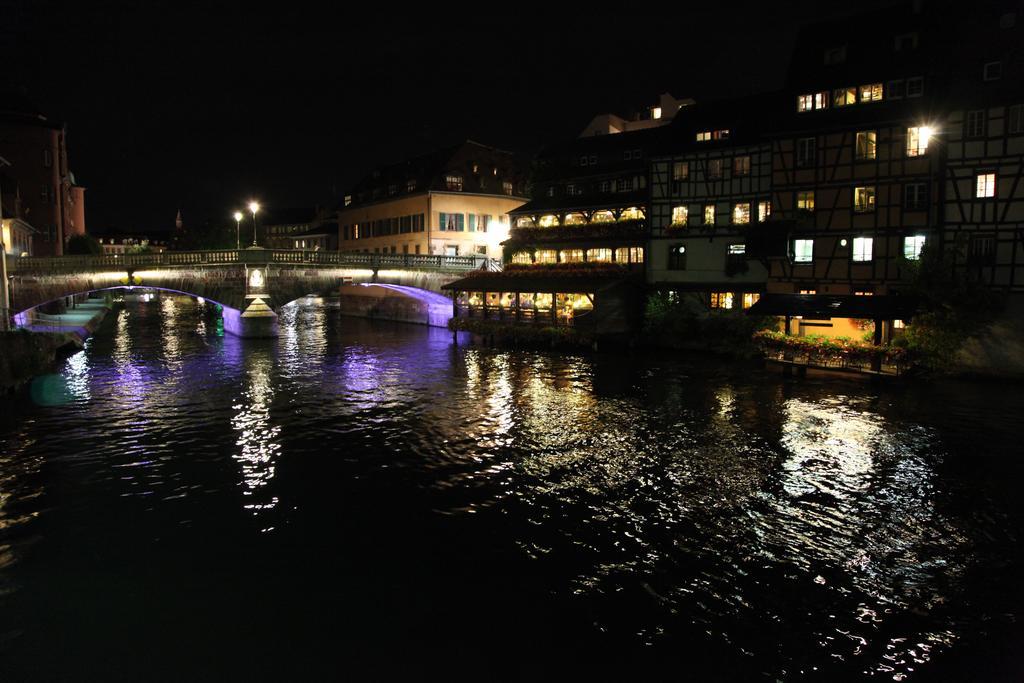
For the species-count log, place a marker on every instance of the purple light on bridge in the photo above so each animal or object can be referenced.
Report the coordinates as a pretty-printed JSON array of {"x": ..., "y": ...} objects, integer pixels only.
[{"x": 439, "y": 307}]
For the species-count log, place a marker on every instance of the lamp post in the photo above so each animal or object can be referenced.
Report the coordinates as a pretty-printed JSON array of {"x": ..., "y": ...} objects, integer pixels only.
[
  {"x": 238, "y": 229},
  {"x": 254, "y": 207}
]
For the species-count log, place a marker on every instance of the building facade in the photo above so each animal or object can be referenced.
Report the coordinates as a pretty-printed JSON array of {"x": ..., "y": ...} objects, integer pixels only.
[
  {"x": 576, "y": 253},
  {"x": 53, "y": 203},
  {"x": 454, "y": 202},
  {"x": 708, "y": 192}
]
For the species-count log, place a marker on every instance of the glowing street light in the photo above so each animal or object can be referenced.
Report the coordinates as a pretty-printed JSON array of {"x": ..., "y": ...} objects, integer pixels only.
[
  {"x": 238, "y": 229},
  {"x": 254, "y": 207}
]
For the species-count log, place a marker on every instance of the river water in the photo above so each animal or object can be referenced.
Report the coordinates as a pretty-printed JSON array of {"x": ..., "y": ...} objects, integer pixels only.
[{"x": 367, "y": 499}]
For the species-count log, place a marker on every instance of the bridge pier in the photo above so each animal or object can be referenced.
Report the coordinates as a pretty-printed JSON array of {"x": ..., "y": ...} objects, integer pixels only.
[{"x": 257, "y": 321}]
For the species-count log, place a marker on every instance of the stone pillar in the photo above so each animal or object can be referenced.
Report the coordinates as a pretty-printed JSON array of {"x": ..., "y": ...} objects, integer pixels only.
[
  {"x": 5, "y": 295},
  {"x": 257, "y": 321}
]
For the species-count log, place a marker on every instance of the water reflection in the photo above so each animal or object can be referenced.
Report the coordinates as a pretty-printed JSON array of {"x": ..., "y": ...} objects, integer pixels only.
[
  {"x": 258, "y": 436},
  {"x": 705, "y": 515}
]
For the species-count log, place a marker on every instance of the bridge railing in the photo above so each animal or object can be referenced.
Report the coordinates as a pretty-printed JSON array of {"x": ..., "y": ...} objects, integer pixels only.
[{"x": 55, "y": 264}]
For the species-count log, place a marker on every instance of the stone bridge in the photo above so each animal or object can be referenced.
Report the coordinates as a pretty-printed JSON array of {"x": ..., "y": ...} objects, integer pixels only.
[{"x": 250, "y": 284}]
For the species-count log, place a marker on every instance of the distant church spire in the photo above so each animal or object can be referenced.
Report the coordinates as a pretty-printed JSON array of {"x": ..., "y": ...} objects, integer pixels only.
[{"x": 177, "y": 221}]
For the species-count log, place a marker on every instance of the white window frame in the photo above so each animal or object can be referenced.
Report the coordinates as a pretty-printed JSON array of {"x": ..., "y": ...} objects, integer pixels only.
[
  {"x": 803, "y": 251},
  {"x": 862, "y": 249}
]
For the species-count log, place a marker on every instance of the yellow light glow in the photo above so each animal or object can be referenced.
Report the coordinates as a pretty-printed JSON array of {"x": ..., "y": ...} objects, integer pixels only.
[
  {"x": 926, "y": 133},
  {"x": 254, "y": 207},
  {"x": 238, "y": 216}
]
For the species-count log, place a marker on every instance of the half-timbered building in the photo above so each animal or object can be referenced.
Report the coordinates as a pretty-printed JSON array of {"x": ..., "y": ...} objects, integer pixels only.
[
  {"x": 709, "y": 190},
  {"x": 856, "y": 177},
  {"x": 578, "y": 247},
  {"x": 983, "y": 132}
]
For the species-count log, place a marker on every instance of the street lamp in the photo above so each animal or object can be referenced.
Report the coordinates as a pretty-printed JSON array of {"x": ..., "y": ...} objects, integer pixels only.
[
  {"x": 238, "y": 229},
  {"x": 254, "y": 207}
]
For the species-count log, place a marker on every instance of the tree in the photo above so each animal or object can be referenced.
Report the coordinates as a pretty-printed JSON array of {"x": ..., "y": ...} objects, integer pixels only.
[
  {"x": 83, "y": 245},
  {"x": 954, "y": 305}
]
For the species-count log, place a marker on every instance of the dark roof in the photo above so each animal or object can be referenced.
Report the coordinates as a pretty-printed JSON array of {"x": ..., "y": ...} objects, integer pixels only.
[
  {"x": 286, "y": 215},
  {"x": 428, "y": 171},
  {"x": 591, "y": 202},
  {"x": 889, "y": 307},
  {"x": 324, "y": 229},
  {"x": 541, "y": 282},
  {"x": 746, "y": 118}
]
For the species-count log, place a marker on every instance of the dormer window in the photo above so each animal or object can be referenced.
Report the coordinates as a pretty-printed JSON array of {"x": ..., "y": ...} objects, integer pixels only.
[
  {"x": 905, "y": 41},
  {"x": 703, "y": 136},
  {"x": 410, "y": 185},
  {"x": 453, "y": 182},
  {"x": 835, "y": 55}
]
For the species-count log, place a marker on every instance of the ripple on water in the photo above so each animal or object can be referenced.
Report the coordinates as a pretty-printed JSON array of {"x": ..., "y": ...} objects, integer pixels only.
[{"x": 694, "y": 510}]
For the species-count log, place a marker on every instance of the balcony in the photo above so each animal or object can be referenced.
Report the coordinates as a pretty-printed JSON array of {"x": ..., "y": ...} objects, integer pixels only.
[{"x": 563, "y": 233}]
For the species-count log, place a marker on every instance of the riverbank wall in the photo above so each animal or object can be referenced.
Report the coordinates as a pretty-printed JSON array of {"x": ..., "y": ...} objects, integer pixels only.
[{"x": 35, "y": 347}]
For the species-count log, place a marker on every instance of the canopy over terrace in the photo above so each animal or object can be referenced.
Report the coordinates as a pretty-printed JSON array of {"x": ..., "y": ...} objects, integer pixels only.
[
  {"x": 890, "y": 307},
  {"x": 839, "y": 315},
  {"x": 524, "y": 297}
]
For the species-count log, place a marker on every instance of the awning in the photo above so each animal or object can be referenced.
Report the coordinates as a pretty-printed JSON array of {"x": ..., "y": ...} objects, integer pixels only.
[
  {"x": 506, "y": 282},
  {"x": 889, "y": 307}
]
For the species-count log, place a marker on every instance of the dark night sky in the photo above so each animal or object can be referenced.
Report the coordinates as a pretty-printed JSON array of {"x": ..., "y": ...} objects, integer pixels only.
[{"x": 174, "y": 104}]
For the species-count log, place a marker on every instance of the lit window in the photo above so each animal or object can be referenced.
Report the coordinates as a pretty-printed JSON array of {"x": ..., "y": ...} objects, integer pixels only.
[
  {"x": 681, "y": 170},
  {"x": 721, "y": 299},
  {"x": 898, "y": 325},
  {"x": 975, "y": 124},
  {"x": 737, "y": 250},
  {"x": 548, "y": 220},
  {"x": 715, "y": 168},
  {"x": 805, "y": 103},
  {"x": 863, "y": 199},
  {"x": 629, "y": 255},
  {"x": 704, "y": 136},
  {"x": 985, "y": 185},
  {"x": 602, "y": 255},
  {"x": 603, "y": 216},
  {"x": 871, "y": 92},
  {"x": 764, "y": 209},
  {"x": 803, "y": 251},
  {"x": 655, "y": 112},
  {"x": 808, "y": 291},
  {"x": 912, "y": 245},
  {"x": 680, "y": 215},
  {"x": 453, "y": 182},
  {"x": 805, "y": 201},
  {"x": 866, "y": 144},
  {"x": 842, "y": 97},
  {"x": 741, "y": 213},
  {"x": 546, "y": 256},
  {"x": 722, "y": 134},
  {"x": 709, "y": 214},
  {"x": 741, "y": 165},
  {"x": 750, "y": 298},
  {"x": 522, "y": 258},
  {"x": 863, "y": 292},
  {"x": 917, "y": 140},
  {"x": 574, "y": 219},
  {"x": 862, "y": 248},
  {"x": 633, "y": 213},
  {"x": 821, "y": 100}
]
